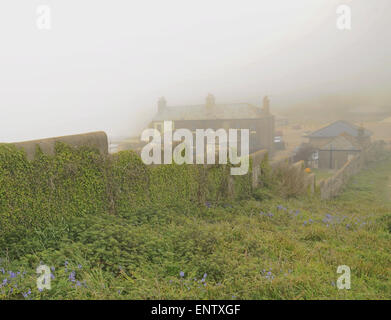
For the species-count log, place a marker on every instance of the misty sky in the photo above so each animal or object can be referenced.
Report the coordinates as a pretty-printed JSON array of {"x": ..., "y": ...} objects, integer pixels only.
[{"x": 104, "y": 63}]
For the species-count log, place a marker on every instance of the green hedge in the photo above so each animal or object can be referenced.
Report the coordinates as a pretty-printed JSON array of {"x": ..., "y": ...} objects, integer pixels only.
[{"x": 81, "y": 181}]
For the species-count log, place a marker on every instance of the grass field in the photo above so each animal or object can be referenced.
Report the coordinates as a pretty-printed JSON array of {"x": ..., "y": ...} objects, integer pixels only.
[{"x": 274, "y": 249}]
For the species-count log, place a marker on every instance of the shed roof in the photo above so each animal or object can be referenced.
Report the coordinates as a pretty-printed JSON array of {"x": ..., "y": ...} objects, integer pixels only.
[{"x": 337, "y": 128}]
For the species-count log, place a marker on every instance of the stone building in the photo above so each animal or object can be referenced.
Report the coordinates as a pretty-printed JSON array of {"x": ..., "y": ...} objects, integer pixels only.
[
  {"x": 338, "y": 142},
  {"x": 337, "y": 152},
  {"x": 258, "y": 120},
  {"x": 326, "y": 134}
]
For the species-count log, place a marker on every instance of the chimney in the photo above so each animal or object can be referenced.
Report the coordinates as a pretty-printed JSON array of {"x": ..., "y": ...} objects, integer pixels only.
[
  {"x": 161, "y": 104},
  {"x": 266, "y": 106},
  {"x": 210, "y": 100}
]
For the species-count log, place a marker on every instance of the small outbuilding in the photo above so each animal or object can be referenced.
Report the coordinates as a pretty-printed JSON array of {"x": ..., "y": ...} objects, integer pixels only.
[{"x": 334, "y": 154}]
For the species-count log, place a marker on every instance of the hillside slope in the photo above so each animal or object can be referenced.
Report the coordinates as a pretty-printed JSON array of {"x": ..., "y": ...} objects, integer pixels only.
[{"x": 248, "y": 249}]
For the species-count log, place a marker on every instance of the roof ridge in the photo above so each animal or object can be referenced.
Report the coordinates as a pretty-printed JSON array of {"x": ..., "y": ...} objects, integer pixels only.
[
  {"x": 333, "y": 123},
  {"x": 217, "y": 104}
]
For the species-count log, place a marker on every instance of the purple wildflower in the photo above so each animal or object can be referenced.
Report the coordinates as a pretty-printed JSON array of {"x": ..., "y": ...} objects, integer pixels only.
[{"x": 72, "y": 276}]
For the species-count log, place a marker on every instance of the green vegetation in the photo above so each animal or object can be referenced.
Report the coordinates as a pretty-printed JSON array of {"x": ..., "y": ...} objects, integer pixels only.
[
  {"x": 323, "y": 173},
  {"x": 112, "y": 228}
]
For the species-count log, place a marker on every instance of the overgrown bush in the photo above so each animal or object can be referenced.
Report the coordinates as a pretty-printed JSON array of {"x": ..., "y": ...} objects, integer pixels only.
[{"x": 289, "y": 181}]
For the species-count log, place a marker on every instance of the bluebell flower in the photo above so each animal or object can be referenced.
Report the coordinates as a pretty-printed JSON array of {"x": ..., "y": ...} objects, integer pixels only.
[
  {"x": 182, "y": 274},
  {"x": 72, "y": 276}
]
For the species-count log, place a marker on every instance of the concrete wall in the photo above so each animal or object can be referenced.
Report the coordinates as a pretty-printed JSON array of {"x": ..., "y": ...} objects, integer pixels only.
[{"x": 97, "y": 140}]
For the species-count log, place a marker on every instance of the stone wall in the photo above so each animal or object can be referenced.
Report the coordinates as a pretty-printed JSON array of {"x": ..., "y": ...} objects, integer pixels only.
[
  {"x": 256, "y": 160},
  {"x": 334, "y": 185},
  {"x": 96, "y": 140}
]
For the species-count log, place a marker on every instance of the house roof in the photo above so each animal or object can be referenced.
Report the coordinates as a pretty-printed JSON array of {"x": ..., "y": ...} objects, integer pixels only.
[
  {"x": 340, "y": 143},
  {"x": 202, "y": 112},
  {"x": 336, "y": 128}
]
